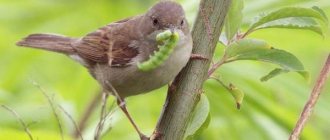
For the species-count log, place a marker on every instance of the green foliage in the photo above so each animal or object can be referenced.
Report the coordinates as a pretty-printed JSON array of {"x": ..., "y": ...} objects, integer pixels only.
[
  {"x": 294, "y": 23},
  {"x": 286, "y": 13},
  {"x": 169, "y": 41},
  {"x": 270, "y": 109},
  {"x": 252, "y": 49},
  {"x": 235, "y": 16},
  {"x": 241, "y": 48},
  {"x": 200, "y": 118},
  {"x": 237, "y": 94}
]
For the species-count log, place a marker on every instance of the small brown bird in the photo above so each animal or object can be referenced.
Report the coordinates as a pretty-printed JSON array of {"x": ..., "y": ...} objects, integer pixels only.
[{"x": 112, "y": 52}]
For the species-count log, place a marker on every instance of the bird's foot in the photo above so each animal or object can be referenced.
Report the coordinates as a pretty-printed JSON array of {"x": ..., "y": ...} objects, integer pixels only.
[{"x": 122, "y": 105}]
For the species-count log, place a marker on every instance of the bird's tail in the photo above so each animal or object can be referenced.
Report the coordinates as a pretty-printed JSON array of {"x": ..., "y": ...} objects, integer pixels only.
[{"x": 50, "y": 42}]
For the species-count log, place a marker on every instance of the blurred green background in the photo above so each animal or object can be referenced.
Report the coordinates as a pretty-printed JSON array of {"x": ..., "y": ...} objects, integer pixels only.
[{"x": 269, "y": 111}]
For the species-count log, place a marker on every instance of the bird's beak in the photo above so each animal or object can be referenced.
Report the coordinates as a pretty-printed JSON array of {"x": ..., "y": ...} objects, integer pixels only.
[{"x": 172, "y": 29}]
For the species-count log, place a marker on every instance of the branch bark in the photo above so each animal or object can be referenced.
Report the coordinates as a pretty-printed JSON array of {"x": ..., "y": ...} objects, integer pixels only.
[
  {"x": 311, "y": 101},
  {"x": 184, "y": 93}
]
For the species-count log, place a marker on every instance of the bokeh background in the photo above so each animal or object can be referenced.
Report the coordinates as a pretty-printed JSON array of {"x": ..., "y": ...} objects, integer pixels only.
[{"x": 269, "y": 111}]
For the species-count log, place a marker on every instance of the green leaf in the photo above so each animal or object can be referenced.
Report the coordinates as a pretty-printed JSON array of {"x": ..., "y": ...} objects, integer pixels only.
[
  {"x": 237, "y": 94},
  {"x": 252, "y": 49},
  {"x": 234, "y": 91},
  {"x": 273, "y": 73},
  {"x": 304, "y": 74},
  {"x": 234, "y": 18},
  {"x": 321, "y": 11},
  {"x": 279, "y": 71},
  {"x": 200, "y": 118},
  {"x": 294, "y": 23},
  {"x": 287, "y": 12}
]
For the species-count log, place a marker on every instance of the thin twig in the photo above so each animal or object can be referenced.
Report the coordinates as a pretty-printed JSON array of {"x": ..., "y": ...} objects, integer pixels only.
[
  {"x": 221, "y": 82},
  {"x": 73, "y": 121},
  {"x": 100, "y": 125},
  {"x": 309, "y": 106},
  {"x": 215, "y": 66},
  {"x": 105, "y": 95},
  {"x": 104, "y": 115},
  {"x": 247, "y": 33},
  {"x": 52, "y": 106},
  {"x": 20, "y": 120},
  {"x": 109, "y": 116},
  {"x": 88, "y": 113}
]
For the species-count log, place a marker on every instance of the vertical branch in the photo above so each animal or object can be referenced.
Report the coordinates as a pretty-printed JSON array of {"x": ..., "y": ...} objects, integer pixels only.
[
  {"x": 185, "y": 91},
  {"x": 311, "y": 101}
]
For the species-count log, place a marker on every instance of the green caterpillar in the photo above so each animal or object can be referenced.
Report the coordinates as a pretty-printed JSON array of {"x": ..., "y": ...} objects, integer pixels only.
[{"x": 169, "y": 41}]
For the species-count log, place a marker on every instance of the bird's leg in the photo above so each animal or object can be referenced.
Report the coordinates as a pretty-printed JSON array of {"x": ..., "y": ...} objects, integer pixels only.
[
  {"x": 198, "y": 56},
  {"x": 122, "y": 104}
]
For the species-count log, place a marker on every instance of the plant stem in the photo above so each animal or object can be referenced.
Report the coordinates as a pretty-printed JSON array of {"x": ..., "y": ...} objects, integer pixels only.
[
  {"x": 20, "y": 120},
  {"x": 77, "y": 130},
  {"x": 309, "y": 106},
  {"x": 88, "y": 113},
  {"x": 52, "y": 105},
  {"x": 184, "y": 93},
  {"x": 216, "y": 66}
]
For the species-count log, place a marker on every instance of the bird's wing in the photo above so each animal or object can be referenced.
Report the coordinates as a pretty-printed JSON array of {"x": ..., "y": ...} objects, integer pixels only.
[{"x": 106, "y": 45}]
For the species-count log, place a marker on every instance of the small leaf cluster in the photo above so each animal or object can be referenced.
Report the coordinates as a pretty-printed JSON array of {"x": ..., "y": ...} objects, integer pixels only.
[{"x": 237, "y": 46}]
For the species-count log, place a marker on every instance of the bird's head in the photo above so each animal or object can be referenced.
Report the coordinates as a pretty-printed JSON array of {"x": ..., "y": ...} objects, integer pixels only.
[{"x": 166, "y": 15}]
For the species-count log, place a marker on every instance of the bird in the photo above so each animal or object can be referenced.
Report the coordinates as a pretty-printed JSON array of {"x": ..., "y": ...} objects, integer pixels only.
[{"x": 111, "y": 53}]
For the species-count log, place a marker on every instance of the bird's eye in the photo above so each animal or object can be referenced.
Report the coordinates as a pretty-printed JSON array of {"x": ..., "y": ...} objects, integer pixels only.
[
  {"x": 182, "y": 22},
  {"x": 155, "y": 21}
]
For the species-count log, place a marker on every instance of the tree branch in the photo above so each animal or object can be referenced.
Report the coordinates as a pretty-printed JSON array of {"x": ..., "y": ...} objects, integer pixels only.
[
  {"x": 185, "y": 91},
  {"x": 311, "y": 101}
]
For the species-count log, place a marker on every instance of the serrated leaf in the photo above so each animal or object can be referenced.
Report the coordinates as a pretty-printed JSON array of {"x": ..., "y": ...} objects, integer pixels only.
[
  {"x": 290, "y": 12},
  {"x": 200, "y": 118},
  {"x": 234, "y": 18},
  {"x": 294, "y": 23},
  {"x": 252, "y": 49},
  {"x": 321, "y": 11}
]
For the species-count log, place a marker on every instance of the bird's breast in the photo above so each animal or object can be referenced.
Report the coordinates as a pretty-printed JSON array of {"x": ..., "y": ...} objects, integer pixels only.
[{"x": 130, "y": 80}]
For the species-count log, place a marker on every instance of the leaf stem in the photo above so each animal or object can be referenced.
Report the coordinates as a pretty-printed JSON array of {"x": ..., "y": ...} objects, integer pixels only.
[{"x": 215, "y": 66}]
